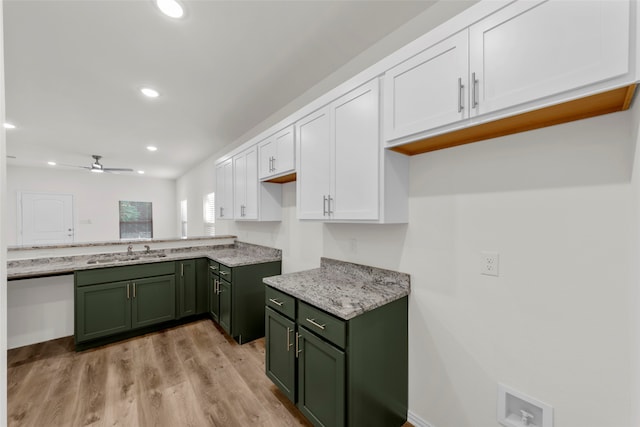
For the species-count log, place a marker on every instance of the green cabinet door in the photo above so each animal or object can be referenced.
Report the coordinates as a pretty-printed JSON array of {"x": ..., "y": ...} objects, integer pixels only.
[
  {"x": 153, "y": 300},
  {"x": 186, "y": 277},
  {"x": 224, "y": 315},
  {"x": 321, "y": 381},
  {"x": 280, "y": 352},
  {"x": 214, "y": 298},
  {"x": 202, "y": 285},
  {"x": 102, "y": 310}
]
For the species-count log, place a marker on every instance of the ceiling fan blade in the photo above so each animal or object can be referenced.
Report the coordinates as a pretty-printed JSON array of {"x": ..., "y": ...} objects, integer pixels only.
[
  {"x": 117, "y": 170},
  {"x": 73, "y": 166}
]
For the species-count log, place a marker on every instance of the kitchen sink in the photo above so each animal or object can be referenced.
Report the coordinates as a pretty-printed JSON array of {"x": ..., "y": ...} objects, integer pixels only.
[{"x": 122, "y": 258}]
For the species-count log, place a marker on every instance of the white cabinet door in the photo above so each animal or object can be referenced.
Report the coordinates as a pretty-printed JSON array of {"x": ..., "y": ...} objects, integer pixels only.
[
  {"x": 428, "y": 90},
  {"x": 314, "y": 164},
  {"x": 266, "y": 153},
  {"x": 355, "y": 189},
  {"x": 239, "y": 185},
  {"x": 224, "y": 190},
  {"x": 245, "y": 184},
  {"x": 284, "y": 159},
  {"x": 533, "y": 49},
  {"x": 251, "y": 184}
]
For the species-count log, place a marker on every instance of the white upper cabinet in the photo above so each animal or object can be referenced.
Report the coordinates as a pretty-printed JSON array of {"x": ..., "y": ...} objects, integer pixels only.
[
  {"x": 253, "y": 200},
  {"x": 224, "y": 190},
  {"x": 314, "y": 164},
  {"x": 429, "y": 90},
  {"x": 533, "y": 49},
  {"x": 525, "y": 56},
  {"x": 342, "y": 167},
  {"x": 277, "y": 154}
]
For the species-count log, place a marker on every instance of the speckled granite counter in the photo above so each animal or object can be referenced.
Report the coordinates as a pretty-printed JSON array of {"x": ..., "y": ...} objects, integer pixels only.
[
  {"x": 234, "y": 255},
  {"x": 343, "y": 289}
]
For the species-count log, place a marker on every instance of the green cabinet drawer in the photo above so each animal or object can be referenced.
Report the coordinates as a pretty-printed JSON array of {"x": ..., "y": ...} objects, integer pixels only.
[
  {"x": 323, "y": 324},
  {"x": 225, "y": 272},
  {"x": 280, "y": 302},
  {"x": 214, "y": 267}
]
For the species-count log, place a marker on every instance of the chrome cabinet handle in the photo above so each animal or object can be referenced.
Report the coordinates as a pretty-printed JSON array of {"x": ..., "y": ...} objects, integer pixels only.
[
  {"x": 274, "y": 164},
  {"x": 298, "y": 351},
  {"x": 224, "y": 273},
  {"x": 134, "y": 289},
  {"x": 329, "y": 211},
  {"x": 128, "y": 297},
  {"x": 181, "y": 270},
  {"x": 474, "y": 84},
  {"x": 214, "y": 268},
  {"x": 221, "y": 212},
  {"x": 288, "y": 339},
  {"x": 276, "y": 302},
  {"x": 324, "y": 205},
  {"x": 314, "y": 323},
  {"x": 460, "y": 93}
]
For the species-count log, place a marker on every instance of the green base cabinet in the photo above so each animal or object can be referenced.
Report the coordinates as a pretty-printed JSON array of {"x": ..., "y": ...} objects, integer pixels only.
[
  {"x": 186, "y": 281},
  {"x": 115, "y": 300},
  {"x": 344, "y": 372},
  {"x": 236, "y": 298}
]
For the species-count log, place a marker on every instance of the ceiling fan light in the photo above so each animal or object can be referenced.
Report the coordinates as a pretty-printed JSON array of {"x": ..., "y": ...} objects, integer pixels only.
[
  {"x": 9, "y": 126},
  {"x": 171, "y": 8},
  {"x": 97, "y": 170},
  {"x": 152, "y": 148},
  {"x": 51, "y": 163},
  {"x": 141, "y": 172}
]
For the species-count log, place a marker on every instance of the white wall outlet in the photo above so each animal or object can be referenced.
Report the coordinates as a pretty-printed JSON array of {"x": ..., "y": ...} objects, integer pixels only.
[
  {"x": 489, "y": 262},
  {"x": 516, "y": 409}
]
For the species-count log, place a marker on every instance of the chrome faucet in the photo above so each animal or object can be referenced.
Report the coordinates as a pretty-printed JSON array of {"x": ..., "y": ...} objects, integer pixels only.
[
  {"x": 130, "y": 250},
  {"x": 148, "y": 249}
]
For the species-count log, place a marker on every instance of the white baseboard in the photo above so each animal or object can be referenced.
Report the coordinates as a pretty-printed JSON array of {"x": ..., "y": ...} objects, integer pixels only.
[{"x": 417, "y": 421}]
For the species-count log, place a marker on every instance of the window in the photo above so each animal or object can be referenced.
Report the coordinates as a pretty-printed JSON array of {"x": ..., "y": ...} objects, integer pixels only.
[
  {"x": 209, "y": 214},
  {"x": 136, "y": 220},
  {"x": 183, "y": 218}
]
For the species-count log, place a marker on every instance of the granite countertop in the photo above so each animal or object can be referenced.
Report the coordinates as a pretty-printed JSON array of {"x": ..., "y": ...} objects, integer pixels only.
[
  {"x": 235, "y": 255},
  {"x": 343, "y": 289},
  {"x": 118, "y": 242}
]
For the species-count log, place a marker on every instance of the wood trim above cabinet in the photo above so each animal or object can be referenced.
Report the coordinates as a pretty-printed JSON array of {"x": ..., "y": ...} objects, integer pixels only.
[
  {"x": 594, "y": 105},
  {"x": 282, "y": 179}
]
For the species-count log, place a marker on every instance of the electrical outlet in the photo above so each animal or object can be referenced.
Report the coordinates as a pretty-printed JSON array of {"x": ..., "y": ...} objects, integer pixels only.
[{"x": 489, "y": 263}]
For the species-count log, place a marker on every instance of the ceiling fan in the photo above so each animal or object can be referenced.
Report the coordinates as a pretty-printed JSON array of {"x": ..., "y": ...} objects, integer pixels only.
[{"x": 97, "y": 167}]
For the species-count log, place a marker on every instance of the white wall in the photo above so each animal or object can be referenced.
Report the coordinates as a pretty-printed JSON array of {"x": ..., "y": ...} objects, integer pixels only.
[
  {"x": 559, "y": 323},
  {"x": 96, "y": 198},
  {"x": 3, "y": 241}
]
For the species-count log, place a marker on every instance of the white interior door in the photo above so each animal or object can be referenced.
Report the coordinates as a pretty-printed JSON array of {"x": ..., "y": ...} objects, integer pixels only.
[{"x": 45, "y": 218}]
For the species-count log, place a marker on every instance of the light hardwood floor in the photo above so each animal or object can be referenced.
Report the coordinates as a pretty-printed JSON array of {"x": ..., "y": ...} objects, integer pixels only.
[{"x": 190, "y": 375}]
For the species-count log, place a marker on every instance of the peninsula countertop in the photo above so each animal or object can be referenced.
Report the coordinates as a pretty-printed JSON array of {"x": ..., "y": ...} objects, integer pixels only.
[
  {"x": 234, "y": 255},
  {"x": 343, "y": 289}
]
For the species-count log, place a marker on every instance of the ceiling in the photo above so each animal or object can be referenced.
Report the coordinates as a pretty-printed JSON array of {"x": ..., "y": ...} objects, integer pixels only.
[{"x": 73, "y": 70}]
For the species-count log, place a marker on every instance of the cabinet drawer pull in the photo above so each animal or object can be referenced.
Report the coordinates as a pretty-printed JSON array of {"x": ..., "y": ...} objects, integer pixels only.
[
  {"x": 276, "y": 302},
  {"x": 213, "y": 268},
  {"x": 313, "y": 322},
  {"x": 224, "y": 273}
]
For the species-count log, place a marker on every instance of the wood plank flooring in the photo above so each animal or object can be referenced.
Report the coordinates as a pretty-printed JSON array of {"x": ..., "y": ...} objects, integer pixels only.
[{"x": 191, "y": 375}]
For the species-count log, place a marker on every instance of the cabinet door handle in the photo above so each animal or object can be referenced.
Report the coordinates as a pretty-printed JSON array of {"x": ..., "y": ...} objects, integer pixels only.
[
  {"x": 134, "y": 289},
  {"x": 314, "y": 323},
  {"x": 298, "y": 351},
  {"x": 324, "y": 205},
  {"x": 221, "y": 212},
  {"x": 460, "y": 93},
  {"x": 274, "y": 164},
  {"x": 288, "y": 339},
  {"x": 474, "y": 84},
  {"x": 276, "y": 302},
  {"x": 329, "y": 211},
  {"x": 128, "y": 297},
  {"x": 181, "y": 270}
]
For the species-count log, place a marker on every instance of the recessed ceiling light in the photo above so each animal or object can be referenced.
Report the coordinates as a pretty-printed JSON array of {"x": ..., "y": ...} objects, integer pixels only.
[
  {"x": 9, "y": 126},
  {"x": 171, "y": 8},
  {"x": 141, "y": 172},
  {"x": 152, "y": 148},
  {"x": 150, "y": 93},
  {"x": 51, "y": 163}
]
